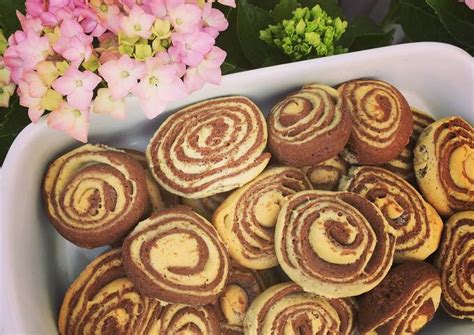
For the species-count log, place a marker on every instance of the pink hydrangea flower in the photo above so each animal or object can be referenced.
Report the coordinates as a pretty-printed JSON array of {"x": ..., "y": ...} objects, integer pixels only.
[
  {"x": 230, "y": 3},
  {"x": 109, "y": 15},
  {"x": 158, "y": 87},
  {"x": 214, "y": 20},
  {"x": 137, "y": 23},
  {"x": 30, "y": 90},
  {"x": 192, "y": 47},
  {"x": 71, "y": 120},
  {"x": 77, "y": 86},
  {"x": 209, "y": 70},
  {"x": 185, "y": 18},
  {"x": 122, "y": 75},
  {"x": 156, "y": 7},
  {"x": 172, "y": 57},
  {"x": 73, "y": 44},
  {"x": 29, "y": 23},
  {"x": 470, "y": 4},
  {"x": 105, "y": 103}
]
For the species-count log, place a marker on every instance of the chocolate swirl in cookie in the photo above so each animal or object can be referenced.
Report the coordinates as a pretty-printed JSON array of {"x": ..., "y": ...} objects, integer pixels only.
[
  {"x": 381, "y": 121},
  {"x": 335, "y": 244},
  {"x": 185, "y": 319},
  {"x": 403, "y": 164},
  {"x": 103, "y": 301},
  {"x": 403, "y": 303},
  {"x": 417, "y": 225},
  {"x": 176, "y": 256},
  {"x": 94, "y": 195},
  {"x": 210, "y": 147},
  {"x": 308, "y": 127},
  {"x": 246, "y": 219},
  {"x": 286, "y": 308},
  {"x": 444, "y": 161},
  {"x": 326, "y": 175},
  {"x": 455, "y": 261}
]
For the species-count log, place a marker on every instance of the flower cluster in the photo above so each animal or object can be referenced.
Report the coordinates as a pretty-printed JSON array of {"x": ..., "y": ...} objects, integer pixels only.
[
  {"x": 76, "y": 56},
  {"x": 6, "y": 86},
  {"x": 309, "y": 33}
]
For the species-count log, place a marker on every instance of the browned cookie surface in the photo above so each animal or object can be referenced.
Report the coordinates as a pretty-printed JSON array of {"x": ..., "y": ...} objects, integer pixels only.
[{"x": 326, "y": 175}]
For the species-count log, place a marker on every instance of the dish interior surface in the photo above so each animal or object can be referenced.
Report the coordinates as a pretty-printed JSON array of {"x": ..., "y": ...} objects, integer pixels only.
[{"x": 39, "y": 265}]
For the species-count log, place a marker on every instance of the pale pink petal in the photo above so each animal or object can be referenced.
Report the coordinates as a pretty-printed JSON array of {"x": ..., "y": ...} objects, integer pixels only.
[
  {"x": 173, "y": 90},
  {"x": 230, "y": 3},
  {"x": 91, "y": 80},
  {"x": 186, "y": 17},
  {"x": 80, "y": 99},
  {"x": 152, "y": 107},
  {"x": 215, "y": 57},
  {"x": 192, "y": 80},
  {"x": 64, "y": 85},
  {"x": 34, "y": 113},
  {"x": 202, "y": 42},
  {"x": 214, "y": 18}
]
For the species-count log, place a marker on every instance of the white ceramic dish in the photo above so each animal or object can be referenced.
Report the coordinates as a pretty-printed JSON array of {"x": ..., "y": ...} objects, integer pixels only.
[{"x": 38, "y": 264}]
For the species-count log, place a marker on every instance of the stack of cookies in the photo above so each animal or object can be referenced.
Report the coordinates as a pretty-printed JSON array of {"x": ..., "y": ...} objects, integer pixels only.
[{"x": 323, "y": 218}]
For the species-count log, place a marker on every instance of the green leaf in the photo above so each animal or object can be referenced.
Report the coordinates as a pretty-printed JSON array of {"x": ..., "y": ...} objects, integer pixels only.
[
  {"x": 330, "y": 6},
  {"x": 8, "y": 20},
  {"x": 264, "y": 4},
  {"x": 457, "y": 18},
  {"x": 227, "y": 68},
  {"x": 283, "y": 10},
  {"x": 12, "y": 120},
  {"x": 363, "y": 33},
  {"x": 421, "y": 23}
]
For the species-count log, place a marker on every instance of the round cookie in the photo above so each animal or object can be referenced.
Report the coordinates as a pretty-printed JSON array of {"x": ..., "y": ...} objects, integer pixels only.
[
  {"x": 404, "y": 301},
  {"x": 417, "y": 225},
  {"x": 444, "y": 165},
  {"x": 455, "y": 261},
  {"x": 94, "y": 195},
  {"x": 308, "y": 127},
  {"x": 335, "y": 244},
  {"x": 210, "y": 147},
  {"x": 176, "y": 256},
  {"x": 185, "y": 319},
  {"x": 285, "y": 307},
  {"x": 246, "y": 219},
  {"x": 381, "y": 121},
  {"x": 101, "y": 300},
  {"x": 326, "y": 175},
  {"x": 403, "y": 164}
]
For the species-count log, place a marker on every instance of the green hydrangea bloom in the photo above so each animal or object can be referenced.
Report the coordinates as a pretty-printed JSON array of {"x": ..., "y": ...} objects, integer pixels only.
[{"x": 310, "y": 33}]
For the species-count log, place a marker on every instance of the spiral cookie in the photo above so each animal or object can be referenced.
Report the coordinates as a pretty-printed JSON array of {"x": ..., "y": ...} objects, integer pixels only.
[
  {"x": 176, "y": 256},
  {"x": 210, "y": 147},
  {"x": 308, "y": 127},
  {"x": 103, "y": 301},
  {"x": 417, "y": 225},
  {"x": 94, "y": 195},
  {"x": 246, "y": 219},
  {"x": 184, "y": 319},
  {"x": 335, "y": 244},
  {"x": 243, "y": 286},
  {"x": 206, "y": 206},
  {"x": 285, "y": 308},
  {"x": 455, "y": 260},
  {"x": 326, "y": 175},
  {"x": 381, "y": 121},
  {"x": 404, "y": 301},
  {"x": 403, "y": 164},
  {"x": 444, "y": 161}
]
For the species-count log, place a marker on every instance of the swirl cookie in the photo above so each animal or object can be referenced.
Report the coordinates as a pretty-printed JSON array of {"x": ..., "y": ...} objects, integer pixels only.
[
  {"x": 206, "y": 206},
  {"x": 404, "y": 301},
  {"x": 326, "y": 175},
  {"x": 417, "y": 225},
  {"x": 246, "y": 219},
  {"x": 243, "y": 286},
  {"x": 210, "y": 147},
  {"x": 103, "y": 301},
  {"x": 308, "y": 127},
  {"x": 381, "y": 121},
  {"x": 94, "y": 195},
  {"x": 176, "y": 256},
  {"x": 403, "y": 164},
  {"x": 185, "y": 319},
  {"x": 444, "y": 161},
  {"x": 335, "y": 244},
  {"x": 455, "y": 261},
  {"x": 286, "y": 307}
]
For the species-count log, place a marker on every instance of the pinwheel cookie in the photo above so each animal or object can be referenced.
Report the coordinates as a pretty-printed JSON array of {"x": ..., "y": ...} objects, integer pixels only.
[
  {"x": 210, "y": 147},
  {"x": 308, "y": 127},
  {"x": 185, "y": 319},
  {"x": 326, "y": 175},
  {"x": 444, "y": 165},
  {"x": 94, "y": 195},
  {"x": 381, "y": 121}
]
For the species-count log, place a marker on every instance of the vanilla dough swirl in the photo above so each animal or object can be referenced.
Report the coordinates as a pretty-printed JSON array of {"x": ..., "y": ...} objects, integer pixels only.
[
  {"x": 210, "y": 147},
  {"x": 101, "y": 300},
  {"x": 246, "y": 219},
  {"x": 286, "y": 309},
  {"x": 176, "y": 256},
  {"x": 185, "y": 319},
  {"x": 335, "y": 244},
  {"x": 444, "y": 165},
  {"x": 326, "y": 175},
  {"x": 94, "y": 195},
  {"x": 417, "y": 225},
  {"x": 455, "y": 261}
]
